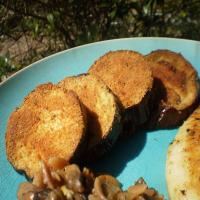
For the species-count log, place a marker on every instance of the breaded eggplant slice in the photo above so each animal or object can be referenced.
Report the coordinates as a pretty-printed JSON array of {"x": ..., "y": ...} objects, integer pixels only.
[
  {"x": 128, "y": 75},
  {"x": 183, "y": 163},
  {"x": 103, "y": 112},
  {"x": 177, "y": 88},
  {"x": 51, "y": 122}
]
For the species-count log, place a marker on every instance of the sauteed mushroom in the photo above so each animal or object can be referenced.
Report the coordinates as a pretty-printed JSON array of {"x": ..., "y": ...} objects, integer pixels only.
[
  {"x": 70, "y": 183},
  {"x": 105, "y": 187}
]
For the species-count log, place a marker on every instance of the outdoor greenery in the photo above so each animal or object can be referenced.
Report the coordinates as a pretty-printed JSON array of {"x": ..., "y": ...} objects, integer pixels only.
[{"x": 32, "y": 29}]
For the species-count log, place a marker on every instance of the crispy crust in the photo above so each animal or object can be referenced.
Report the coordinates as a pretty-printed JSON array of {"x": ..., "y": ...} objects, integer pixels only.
[
  {"x": 177, "y": 88},
  {"x": 103, "y": 112},
  {"x": 51, "y": 122},
  {"x": 123, "y": 71},
  {"x": 129, "y": 76}
]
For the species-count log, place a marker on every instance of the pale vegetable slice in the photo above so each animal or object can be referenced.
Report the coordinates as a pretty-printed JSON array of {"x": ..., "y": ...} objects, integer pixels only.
[
  {"x": 104, "y": 115},
  {"x": 51, "y": 122},
  {"x": 129, "y": 77},
  {"x": 183, "y": 161},
  {"x": 176, "y": 87}
]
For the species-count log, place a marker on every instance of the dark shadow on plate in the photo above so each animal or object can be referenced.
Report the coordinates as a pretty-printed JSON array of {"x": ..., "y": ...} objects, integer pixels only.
[{"x": 125, "y": 149}]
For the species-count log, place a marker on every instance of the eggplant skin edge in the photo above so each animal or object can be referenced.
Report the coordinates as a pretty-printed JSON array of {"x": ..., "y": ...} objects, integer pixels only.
[{"x": 169, "y": 115}]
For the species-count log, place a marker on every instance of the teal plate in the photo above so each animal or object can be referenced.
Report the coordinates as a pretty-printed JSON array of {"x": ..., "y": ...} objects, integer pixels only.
[{"x": 142, "y": 155}]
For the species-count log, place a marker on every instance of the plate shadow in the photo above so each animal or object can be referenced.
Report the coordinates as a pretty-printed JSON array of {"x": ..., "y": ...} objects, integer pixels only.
[{"x": 125, "y": 149}]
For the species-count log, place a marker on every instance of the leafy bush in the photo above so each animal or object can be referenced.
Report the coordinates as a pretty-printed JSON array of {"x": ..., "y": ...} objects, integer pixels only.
[
  {"x": 6, "y": 67},
  {"x": 62, "y": 24}
]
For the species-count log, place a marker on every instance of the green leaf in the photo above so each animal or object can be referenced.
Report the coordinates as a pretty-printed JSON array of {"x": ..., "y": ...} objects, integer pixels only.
[
  {"x": 50, "y": 18},
  {"x": 36, "y": 28},
  {"x": 113, "y": 14},
  {"x": 5, "y": 65},
  {"x": 183, "y": 14}
]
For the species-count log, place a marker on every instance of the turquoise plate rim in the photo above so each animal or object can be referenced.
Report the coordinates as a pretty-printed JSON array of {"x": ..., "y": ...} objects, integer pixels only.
[{"x": 152, "y": 137}]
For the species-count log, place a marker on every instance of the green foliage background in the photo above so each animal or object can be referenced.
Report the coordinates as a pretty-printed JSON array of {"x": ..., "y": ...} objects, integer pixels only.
[{"x": 55, "y": 25}]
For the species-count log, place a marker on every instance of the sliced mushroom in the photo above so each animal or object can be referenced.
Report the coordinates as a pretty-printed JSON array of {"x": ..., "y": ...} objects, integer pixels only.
[
  {"x": 88, "y": 180},
  {"x": 28, "y": 191},
  {"x": 55, "y": 194},
  {"x": 93, "y": 197},
  {"x": 71, "y": 183},
  {"x": 123, "y": 196},
  {"x": 150, "y": 192},
  {"x": 137, "y": 189},
  {"x": 38, "y": 179},
  {"x": 73, "y": 178},
  {"x": 26, "y": 188},
  {"x": 42, "y": 195},
  {"x": 78, "y": 196},
  {"x": 47, "y": 177},
  {"x": 106, "y": 186},
  {"x": 141, "y": 198}
]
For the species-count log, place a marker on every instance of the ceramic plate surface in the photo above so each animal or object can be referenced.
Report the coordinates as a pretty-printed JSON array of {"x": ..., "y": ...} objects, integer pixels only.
[{"x": 142, "y": 155}]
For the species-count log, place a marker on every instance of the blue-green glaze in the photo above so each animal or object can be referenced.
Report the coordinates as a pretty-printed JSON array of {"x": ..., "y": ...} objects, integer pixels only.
[{"x": 142, "y": 155}]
